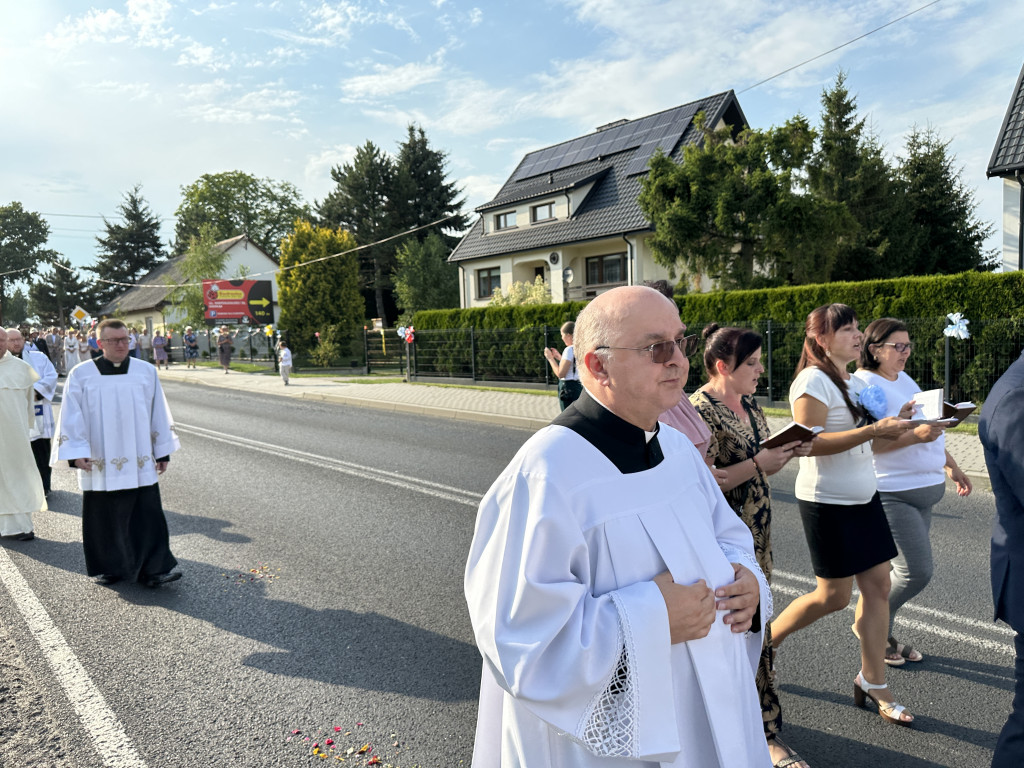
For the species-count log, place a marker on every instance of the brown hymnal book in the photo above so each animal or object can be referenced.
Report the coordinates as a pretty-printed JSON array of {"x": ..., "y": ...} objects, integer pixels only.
[
  {"x": 789, "y": 433},
  {"x": 931, "y": 408}
]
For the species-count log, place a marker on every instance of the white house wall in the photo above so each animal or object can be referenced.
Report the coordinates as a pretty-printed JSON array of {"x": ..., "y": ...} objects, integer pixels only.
[{"x": 1011, "y": 224}]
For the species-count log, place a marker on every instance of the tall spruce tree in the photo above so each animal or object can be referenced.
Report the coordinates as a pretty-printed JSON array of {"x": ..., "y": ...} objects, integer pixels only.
[
  {"x": 364, "y": 204},
  {"x": 58, "y": 291},
  {"x": 424, "y": 194},
  {"x": 423, "y": 277},
  {"x": 22, "y": 237},
  {"x": 942, "y": 210},
  {"x": 129, "y": 250},
  {"x": 849, "y": 168}
]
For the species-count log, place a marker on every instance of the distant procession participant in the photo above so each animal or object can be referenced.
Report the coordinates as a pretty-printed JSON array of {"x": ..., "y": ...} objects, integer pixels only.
[
  {"x": 191, "y": 345},
  {"x": 133, "y": 343},
  {"x": 45, "y": 388},
  {"x": 21, "y": 490},
  {"x": 225, "y": 346},
  {"x": 116, "y": 429},
  {"x": 284, "y": 361},
  {"x": 147, "y": 344},
  {"x": 71, "y": 358},
  {"x": 159, "y": 346}
]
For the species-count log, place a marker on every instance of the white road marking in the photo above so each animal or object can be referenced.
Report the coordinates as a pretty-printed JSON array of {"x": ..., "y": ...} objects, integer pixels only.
[
  {"x": 998, "y": 645},
  {"x": 446, "y": 492},
  {"x": 99, "y": 721}
]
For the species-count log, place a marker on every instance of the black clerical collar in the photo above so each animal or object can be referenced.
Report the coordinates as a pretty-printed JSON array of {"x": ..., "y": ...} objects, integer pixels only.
[
  {"x": 107, "y": 368},
  {"x": 623, "y": 444}
]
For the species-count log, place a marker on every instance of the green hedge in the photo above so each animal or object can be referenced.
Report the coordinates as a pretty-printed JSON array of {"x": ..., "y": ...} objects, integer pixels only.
[
  {"x": 978, "y": 295},
  {"x": 508, "y": 341}
]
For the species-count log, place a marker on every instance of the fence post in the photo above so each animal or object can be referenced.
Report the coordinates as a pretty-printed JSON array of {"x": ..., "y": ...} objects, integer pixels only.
[
  {"x": 547, "y": 368},
  {"x": 472, "y": 353},
  {"x": 768, "y": 333},
  {"x": 366, "y": 348}
]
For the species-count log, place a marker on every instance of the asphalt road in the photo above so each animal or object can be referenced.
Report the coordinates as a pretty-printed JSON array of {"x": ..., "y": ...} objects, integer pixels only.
[{"x": 323, "y": 550}]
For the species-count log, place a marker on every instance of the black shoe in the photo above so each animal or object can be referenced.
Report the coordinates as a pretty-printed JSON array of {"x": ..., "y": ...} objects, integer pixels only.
[
  {"x": 25, "y": 536},
  {"x": 163, "y": 578},
  {"x": 106, "y": 579}
]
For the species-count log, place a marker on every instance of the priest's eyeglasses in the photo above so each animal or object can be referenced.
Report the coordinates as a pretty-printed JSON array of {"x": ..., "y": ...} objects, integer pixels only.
[
  {"x": 899, "y": 346},
  {"x": 663, "y": 351},
  {"x": 115, "y": 340}
]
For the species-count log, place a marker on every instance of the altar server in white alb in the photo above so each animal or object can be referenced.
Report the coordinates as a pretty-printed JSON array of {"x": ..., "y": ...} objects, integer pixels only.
[
  {"x": 21, "y": 490},
  {"x": 614, "y": 594},
  {"x": 41, "y": 427},
  {"x": 116, "y": 429}
]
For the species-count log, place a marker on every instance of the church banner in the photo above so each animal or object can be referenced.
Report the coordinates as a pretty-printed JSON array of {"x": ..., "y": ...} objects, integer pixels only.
[{"x": 240, "y": 301}]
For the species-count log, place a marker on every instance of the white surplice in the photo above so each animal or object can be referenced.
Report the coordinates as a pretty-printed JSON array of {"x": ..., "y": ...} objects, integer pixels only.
[
  {"x": 579, "y": 669},
  {"x": 121, "y": 422},
  {"x": 21, "y": 489},
  {"x": 46, "y": 386}
]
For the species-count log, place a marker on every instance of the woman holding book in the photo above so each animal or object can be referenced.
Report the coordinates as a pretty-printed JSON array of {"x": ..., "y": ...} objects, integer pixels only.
[
  {"x": 845, "y": 525},
  {"x": 732, "y": 360},
  {"x": 911, "y": 472}
]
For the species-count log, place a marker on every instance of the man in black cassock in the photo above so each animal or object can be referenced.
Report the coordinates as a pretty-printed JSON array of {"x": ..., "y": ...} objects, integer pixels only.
[{"x": 116, "y": 429}]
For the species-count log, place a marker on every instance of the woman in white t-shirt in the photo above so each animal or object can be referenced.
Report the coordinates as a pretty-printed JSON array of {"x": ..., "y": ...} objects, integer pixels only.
[
  {"x": 845, "y": 525},
  {"x": 911, "y": 472},
  {"x": 564, "y": 366}
]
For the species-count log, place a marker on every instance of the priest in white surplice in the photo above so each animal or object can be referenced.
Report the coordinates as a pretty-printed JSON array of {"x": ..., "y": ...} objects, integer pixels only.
[
  {"x": 45, "y": 388},
  {"x": 116, "y": 429},
  {"x": 613, "y": 593},
  {"x": 21, "y": 490}
]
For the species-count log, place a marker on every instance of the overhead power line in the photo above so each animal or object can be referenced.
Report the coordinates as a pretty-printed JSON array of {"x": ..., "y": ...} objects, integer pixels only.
[{"x": 838, "y": 47}]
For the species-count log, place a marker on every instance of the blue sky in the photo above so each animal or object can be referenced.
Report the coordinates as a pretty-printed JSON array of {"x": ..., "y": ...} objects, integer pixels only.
[{"x": 99, "y": 97}]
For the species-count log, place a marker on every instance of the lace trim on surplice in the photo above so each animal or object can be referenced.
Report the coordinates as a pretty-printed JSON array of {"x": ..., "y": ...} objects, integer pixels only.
[{"x": 611, "y": 722}]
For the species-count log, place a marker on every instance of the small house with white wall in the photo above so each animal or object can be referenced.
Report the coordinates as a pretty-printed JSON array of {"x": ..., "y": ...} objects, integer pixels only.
[
  {"x": 148, "y": 304},
  {"x": 569, "y": 213}
]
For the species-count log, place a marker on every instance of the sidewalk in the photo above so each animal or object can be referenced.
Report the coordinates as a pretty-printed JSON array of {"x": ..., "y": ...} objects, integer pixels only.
[{"x": 508, "y": 409}]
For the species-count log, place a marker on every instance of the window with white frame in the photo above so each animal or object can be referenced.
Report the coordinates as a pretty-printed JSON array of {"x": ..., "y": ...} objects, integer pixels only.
[
  {"x": 602, "y": 270},
  {"x": 486, "y": 281},
  {"x": 542, "y": 212},
  {"x": 505, "y": 220}
]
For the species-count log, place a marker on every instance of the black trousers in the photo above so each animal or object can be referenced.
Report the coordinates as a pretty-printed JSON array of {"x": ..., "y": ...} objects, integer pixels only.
[
  {"x": 1010, "y": 747},
  {"x": 41, "y": 452}
]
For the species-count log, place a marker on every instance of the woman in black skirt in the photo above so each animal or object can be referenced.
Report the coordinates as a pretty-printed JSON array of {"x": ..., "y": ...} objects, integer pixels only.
[{"x": 847, "y": 532}]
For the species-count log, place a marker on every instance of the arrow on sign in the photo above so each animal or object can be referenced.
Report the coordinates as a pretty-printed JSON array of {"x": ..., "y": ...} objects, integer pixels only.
[{"x": 259, "y": 302}]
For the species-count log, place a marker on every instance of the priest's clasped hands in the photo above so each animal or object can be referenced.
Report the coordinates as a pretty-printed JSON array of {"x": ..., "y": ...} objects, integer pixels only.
[{"x": 692, "y": 608}]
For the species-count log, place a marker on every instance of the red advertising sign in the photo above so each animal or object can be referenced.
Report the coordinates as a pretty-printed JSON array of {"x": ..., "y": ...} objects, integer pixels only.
[{"x": 245, "y": 301}]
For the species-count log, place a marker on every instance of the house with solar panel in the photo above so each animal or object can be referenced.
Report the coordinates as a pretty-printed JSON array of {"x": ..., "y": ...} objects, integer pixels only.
[
  {"x": 1007, "y": 163},
  {"x": 569, "y": 212}
]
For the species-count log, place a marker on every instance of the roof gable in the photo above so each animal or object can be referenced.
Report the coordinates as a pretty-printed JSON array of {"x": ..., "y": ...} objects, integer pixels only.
[
  {"x": 1008, "y": 154},
  {"x": 614, "y": 159},
  {"x": 155, "y": 288}
]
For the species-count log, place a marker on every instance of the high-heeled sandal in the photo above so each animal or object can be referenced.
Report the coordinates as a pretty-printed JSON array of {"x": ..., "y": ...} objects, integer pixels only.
[{"x": 887, "y": 710}]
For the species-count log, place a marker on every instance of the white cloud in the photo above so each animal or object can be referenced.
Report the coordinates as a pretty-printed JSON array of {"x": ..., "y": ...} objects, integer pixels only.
[
  {"x": 317, "y": 169},
  {"x": 94, "y": 27},
  {"x": 204, "y": 56},
  {"x": 387, "y": 81}
]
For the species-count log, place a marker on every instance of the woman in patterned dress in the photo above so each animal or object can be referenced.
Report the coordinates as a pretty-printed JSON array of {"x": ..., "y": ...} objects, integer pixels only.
[
  {"x": 191, "y": 344},
  {"x": 732, "y": 359}
]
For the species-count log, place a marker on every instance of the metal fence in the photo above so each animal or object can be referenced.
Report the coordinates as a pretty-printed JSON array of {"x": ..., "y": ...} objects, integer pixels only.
[{"x": 517, "y": 355}]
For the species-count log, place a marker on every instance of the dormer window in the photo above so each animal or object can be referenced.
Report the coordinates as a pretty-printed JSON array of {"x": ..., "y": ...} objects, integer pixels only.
[
  {"x": 542, "y": 212},
  {"x": 505, "y": 220}
]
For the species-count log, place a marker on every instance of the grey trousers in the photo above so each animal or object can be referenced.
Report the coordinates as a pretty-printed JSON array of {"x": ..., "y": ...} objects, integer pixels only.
[{"x": 910, "y": 519}]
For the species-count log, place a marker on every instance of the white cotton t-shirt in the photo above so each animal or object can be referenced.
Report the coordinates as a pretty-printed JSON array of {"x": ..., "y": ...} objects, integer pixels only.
[
  {"x": 573, "y": 374},
  {"x": 913, "y": 466},
  {"x": 843, "y": 478},
  {"x": 286, "y": 358}
]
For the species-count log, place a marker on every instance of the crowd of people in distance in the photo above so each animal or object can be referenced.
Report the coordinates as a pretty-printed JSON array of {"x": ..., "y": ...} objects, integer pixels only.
[{"x": 563, "y": 581}]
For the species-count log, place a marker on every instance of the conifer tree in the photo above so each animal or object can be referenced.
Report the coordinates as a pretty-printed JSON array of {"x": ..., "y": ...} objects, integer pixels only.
[
  {"x": 58, "y": 291},
  {"x": 22, "y": 237},
  {"x": 324, "y": 294},
  {"x": 129, "y": 250}
]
